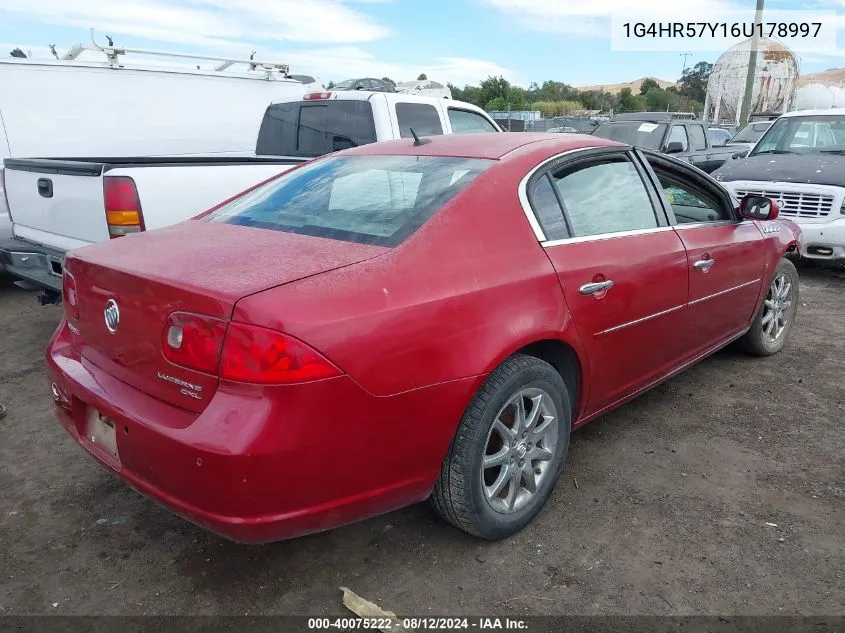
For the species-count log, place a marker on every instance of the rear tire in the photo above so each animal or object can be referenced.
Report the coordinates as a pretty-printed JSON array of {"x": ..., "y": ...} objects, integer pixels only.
[
  {"x": 485, "y": 485},
  {"x": 776, "y": 316}
]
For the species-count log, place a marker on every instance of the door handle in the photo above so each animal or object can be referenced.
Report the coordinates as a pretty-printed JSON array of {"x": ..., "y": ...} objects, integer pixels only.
[
  {"x": 593, "y": 288},
  {"x": 704, "y": 264}
]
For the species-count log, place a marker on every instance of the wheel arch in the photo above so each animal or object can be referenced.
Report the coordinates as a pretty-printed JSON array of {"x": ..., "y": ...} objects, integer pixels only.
[{"x": 564, "y": 354}]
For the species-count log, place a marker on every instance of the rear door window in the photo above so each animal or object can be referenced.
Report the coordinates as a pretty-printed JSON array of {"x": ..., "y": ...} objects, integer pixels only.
[
  {"x": 422, "y": 117},
  {"x": 605, "y": 197},
  {"x": 678, "y": 134},
  {"x": 315, "y": 128},
  {"x": 466, "y": 122},
  {"x": 698, "y": 140},
  {"x": 378, "y": 200}
]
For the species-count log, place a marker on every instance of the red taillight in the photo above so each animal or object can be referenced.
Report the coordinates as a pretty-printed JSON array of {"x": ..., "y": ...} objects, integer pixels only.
[
  {"x": 70, "y": 298},
  {"x": 258, "y": 355},
  {"x": 193, "y": 341},
  {"x": 123, "y": 208},
  {"x": 315, "y": 96}
]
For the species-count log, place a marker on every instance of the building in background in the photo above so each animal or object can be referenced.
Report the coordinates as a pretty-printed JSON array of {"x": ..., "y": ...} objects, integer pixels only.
[{"x": 775, "y": 82}]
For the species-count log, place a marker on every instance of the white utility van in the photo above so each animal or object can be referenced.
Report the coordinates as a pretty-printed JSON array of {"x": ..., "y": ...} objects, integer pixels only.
[{"x": 70, "y": 107}]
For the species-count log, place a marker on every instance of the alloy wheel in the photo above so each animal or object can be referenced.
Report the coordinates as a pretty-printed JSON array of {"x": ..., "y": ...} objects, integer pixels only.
[
  {"x": 777, "y": 307},
  {"x": 519, "y": 450}
]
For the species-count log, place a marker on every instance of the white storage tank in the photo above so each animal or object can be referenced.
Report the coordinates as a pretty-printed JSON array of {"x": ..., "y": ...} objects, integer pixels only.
[
  {"x": 775, "y": 81},
  {"x": 817, "y": 96}
]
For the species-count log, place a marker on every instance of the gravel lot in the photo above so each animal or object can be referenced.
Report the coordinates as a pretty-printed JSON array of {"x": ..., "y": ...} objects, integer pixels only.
[{"x": 668, "y": 516}]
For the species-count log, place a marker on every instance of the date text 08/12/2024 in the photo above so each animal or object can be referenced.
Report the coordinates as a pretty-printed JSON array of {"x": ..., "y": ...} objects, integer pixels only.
[{"x": 417, "y": 624}]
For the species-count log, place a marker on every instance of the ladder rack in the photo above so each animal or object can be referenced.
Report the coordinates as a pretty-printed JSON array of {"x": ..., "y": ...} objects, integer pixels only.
[{"x": 113, "y": 52}]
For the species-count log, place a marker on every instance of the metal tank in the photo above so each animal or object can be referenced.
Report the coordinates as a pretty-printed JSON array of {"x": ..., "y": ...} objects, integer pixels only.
[
  {"x": 775, "y": 82},
  {"x": 817, "y": 96}
]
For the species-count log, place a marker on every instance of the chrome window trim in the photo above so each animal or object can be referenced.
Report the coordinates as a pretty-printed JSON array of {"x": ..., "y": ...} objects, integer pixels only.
[
  {"x": 699, "y": 225},
  {"x": 603, "y": 236},
  {"x": 724, "y": 292},
  {"x": 523, "y": 189}
]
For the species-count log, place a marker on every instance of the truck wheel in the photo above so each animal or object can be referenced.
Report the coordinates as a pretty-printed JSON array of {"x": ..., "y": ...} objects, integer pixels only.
[
  {"x": 774, "y": 321},
  {"x": 508, "y": 451}
]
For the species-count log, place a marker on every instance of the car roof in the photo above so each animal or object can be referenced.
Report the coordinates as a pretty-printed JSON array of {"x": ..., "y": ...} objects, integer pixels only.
[
  {"x": 487, "y": 145},
  {"x": 825, "y": 112}
]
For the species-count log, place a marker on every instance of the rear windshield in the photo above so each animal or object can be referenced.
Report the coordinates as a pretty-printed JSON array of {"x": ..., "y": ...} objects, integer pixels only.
[
  {"x": 636, "y": 133},
  {"x": 304, "y": 128},
  {"x": 378, "y": 200},
  {"x": 751, "y": 133}
]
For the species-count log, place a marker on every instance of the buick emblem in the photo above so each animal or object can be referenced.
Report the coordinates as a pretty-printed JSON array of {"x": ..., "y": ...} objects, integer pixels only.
[{"x": 112, "y": 315}]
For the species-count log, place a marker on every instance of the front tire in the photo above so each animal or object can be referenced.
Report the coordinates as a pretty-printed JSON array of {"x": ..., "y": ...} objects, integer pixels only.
[
  {"x": 508, "y": 451},
  {"x": 776, "y": 316}
]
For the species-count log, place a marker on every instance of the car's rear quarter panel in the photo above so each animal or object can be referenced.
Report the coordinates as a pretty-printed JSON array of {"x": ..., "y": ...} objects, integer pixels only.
[{"x": 467, "y": 289}]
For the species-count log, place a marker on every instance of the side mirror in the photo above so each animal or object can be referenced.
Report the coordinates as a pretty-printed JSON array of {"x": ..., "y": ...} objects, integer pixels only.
[
  {"x": 675, "y": 147},
  {"x": 758, "y": 208}
]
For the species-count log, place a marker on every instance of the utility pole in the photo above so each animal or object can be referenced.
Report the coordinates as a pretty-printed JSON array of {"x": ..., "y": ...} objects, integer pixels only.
[
  {"x": 685, "y": 55},
  {"x": 752, "y": 66}
]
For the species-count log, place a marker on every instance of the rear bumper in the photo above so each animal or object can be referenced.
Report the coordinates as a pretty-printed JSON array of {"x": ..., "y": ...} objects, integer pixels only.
[
  {"x": 32, "y": 263},
  {"x": 265, "y": 464}
]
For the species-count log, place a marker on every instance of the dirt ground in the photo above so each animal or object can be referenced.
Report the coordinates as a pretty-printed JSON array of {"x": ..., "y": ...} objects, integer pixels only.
[{"x": 664, "y": 508}]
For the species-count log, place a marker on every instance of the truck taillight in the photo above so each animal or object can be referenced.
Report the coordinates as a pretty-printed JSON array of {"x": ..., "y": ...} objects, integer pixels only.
[
  {"x": 193, "y": 341},
  {"x": 258, "y": 355},
  {"x": 70, "y": 298},
  {"x": 123, "y": 208},
  {"x": 316, "y": 96}
]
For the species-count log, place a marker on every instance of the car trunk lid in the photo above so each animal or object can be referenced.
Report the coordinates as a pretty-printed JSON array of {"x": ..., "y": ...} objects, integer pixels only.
[{"x": 195, "y": 267}]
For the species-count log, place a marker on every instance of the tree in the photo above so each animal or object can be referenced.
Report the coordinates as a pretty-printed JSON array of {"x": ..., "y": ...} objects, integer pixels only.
[
  {"x": 630, "y": 103},
  {"x": 494, "y": 87},
  {"x": 657, "y": 99},
  {"x": 693, "y": 83},
  {"x": 422, "y": 77},
  {"x": 647, "y": 85},
  {"x": 17, "y": 53},
  {"x": 388, "y": 80}
]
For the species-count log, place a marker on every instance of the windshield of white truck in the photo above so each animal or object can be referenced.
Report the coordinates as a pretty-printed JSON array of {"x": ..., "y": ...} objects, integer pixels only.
[
  {"x": 818, "y": 134},
  {"x": 378, "y": 200},
  {"x": 636, "y": 133},
  {"x": 314, "y": 128}
]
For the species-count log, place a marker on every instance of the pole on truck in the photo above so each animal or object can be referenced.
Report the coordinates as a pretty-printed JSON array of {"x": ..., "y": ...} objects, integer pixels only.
[{"x": 752, "y": 66}]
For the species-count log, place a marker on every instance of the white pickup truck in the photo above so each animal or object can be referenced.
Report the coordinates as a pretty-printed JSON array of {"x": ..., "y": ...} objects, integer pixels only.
[{"x": 59, "y": 204}]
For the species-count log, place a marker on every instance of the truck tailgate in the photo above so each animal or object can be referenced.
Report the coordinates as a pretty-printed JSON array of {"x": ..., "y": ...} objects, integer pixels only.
[
  {"x": 60, "y": 203},
  {"x": 56, "y": 203}
]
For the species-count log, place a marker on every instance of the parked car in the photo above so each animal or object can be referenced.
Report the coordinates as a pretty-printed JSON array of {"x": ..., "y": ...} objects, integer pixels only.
[
  {"x": 407, "y": 320},
  {"x": 425, "y": 87},
  {"x": 718, "y": 136},
  {"x": 748, "y": 136},
  {"x": 800, "y": 162},
  {"x": 62, "y": 204},
  {"x": 671, "y": 133},
  {"x": 579, "y": 125},
  {"x": 370, "y": 84},
  {"x": 51, "y": 108}
]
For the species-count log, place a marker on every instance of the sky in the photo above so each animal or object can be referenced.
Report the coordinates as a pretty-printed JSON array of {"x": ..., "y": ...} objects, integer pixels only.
[{"x": 460, "y": 41}]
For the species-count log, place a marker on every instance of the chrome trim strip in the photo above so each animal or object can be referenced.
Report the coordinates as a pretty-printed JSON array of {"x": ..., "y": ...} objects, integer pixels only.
[
  {"x": 603, "y": 236},
  {"x": 642, "y": 320},
  {"x": 522, "y": 191},
  {"x": 724, "y": 292},
  {"x": 698, "y": 225}
]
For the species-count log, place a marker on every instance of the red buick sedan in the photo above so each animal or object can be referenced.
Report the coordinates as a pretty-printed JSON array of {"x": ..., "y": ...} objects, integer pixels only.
[{"x": 405, "y": 321}]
